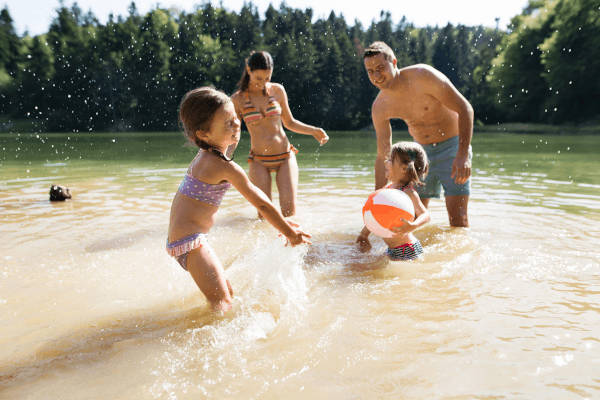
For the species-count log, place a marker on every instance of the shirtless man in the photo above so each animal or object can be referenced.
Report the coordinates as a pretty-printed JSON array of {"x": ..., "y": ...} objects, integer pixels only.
[{"x": 438, "y": 117}]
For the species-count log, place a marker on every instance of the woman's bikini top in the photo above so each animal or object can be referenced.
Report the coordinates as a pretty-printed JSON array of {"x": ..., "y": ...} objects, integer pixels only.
[
  {"x": 205, "y": 192},
  {"x": 251, "y": 114}
]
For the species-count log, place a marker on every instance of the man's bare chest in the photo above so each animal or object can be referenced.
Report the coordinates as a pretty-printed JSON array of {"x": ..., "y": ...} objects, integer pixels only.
[{"x": 414, "y": 107}]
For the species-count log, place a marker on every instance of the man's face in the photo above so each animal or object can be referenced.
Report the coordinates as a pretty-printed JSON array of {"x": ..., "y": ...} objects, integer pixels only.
[{"x": 381, "y": 71}]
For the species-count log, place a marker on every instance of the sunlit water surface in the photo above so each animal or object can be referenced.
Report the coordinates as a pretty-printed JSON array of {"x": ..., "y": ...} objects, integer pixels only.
[{"x": 92, "y": 307}]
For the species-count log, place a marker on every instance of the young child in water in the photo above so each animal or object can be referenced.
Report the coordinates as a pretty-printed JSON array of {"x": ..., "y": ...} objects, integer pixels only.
[
  {"x": 210, "y": 122},
  {"x": 406, "y": 166}
]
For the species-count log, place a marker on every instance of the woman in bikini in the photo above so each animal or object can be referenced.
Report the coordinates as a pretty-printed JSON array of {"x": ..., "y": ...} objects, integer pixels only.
[{"x": 264, "y": 108}]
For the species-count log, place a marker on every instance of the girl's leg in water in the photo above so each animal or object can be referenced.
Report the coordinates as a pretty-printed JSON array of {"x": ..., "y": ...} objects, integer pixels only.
[
  {"x": 209, "y": 275},
  {"x": 287, "y": 185}
]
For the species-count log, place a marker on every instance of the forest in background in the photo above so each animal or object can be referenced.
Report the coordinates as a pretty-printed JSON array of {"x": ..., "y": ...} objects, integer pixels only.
[{"x": 130, "y": 73}]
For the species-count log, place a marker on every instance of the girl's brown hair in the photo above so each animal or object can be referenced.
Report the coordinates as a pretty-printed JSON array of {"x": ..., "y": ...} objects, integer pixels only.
[
  {"x": 257, "y": 60},
  {"x": 196, "y": 112},
  {"x": 412, "y": 154}
]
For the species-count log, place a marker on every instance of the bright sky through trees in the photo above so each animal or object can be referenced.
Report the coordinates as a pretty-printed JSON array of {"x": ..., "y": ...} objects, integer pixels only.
[{"x": 36, "y": 15}]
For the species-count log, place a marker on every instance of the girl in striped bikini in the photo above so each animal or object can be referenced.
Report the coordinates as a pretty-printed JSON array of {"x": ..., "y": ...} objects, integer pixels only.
[
  {"x": 264, "y": 108},
  {"x": 405, "y": 168},
  {"x": 210, "y": 122}
]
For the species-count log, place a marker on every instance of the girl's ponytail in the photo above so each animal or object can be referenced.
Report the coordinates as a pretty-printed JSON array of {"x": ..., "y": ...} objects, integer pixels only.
[{"x": 412, "y": 154}]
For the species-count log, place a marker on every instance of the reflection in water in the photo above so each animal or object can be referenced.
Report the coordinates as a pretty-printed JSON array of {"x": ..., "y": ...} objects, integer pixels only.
[{"x": 92, "y": 307}]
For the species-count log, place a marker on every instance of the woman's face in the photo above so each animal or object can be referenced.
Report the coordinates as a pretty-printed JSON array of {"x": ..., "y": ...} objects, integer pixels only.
[{"x": 258, "y": 78}]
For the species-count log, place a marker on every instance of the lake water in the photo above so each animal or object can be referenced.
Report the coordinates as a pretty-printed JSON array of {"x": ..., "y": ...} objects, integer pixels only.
[{"x": 91, "y": 306}]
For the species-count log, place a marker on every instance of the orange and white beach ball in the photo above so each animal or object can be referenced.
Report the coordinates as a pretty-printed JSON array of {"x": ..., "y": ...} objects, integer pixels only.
[{"x": 385, "y": 208}]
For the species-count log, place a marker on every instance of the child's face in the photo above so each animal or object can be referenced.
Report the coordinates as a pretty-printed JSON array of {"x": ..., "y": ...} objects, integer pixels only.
[
  {"x": 224, "y": 128},
  {"x": 259, "y": 78},
  {"x": 396, "y": 170}
]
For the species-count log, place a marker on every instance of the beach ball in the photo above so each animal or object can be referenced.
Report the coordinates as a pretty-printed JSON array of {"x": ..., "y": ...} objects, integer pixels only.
[{"x": 384, "y": 209}]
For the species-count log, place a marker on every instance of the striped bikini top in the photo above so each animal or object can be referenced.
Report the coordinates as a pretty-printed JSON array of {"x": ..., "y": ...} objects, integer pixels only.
[
  {"x": 252, "y": 114},
  {"x": 202, "y": 191}
]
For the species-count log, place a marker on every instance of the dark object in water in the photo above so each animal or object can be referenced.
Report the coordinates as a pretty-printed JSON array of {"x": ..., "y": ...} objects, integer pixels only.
[{"x": 59, "y": 193}]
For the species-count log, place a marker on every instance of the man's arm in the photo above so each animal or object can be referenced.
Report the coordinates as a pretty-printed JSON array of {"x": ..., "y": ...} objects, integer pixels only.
[
  {"x": 440, "y": 87},
  {"x": 383, "y": 130}
]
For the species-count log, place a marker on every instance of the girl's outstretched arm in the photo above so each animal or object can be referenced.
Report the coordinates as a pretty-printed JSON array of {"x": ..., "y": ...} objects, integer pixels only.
[
  {"x": 234, "y": 174},
  {"x": 293, "y": 124}
]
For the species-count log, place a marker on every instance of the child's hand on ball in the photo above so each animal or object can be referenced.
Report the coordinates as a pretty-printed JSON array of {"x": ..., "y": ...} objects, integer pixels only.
[{"x": 405, "y": 228}]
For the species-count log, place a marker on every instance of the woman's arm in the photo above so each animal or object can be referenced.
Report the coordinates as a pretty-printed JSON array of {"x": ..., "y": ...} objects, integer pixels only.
[{"x": 293, "y": 124}]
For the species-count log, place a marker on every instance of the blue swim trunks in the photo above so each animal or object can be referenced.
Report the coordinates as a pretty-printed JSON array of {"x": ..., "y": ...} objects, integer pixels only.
[
  {"x": 408, "y": 251},
  {"x": 441, "y": 156}
]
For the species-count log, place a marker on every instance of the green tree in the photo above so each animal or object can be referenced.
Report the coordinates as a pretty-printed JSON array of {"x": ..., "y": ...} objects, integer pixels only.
[
  {"x": 9, "y": 44},
  {"x": 196, "y": 58},
  {"x": 38, "y": 72},
  {"x": 516, "y": 73},
  {"x": 70, "y": 108},
  {"x": 247, "y": 30},
  {"x": 10, "y": 54},
  {"x": 482, "y": 94},
  {"x": 403, "y": 43},
  {"x": 153, "y": 73},
  {"x": 131, "y": 72},
  {"x": 571, "y": 61},
  {"x": 446, "y": 53}
]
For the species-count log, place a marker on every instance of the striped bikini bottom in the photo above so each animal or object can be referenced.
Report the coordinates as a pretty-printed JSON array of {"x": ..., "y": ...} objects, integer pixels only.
[
  {"x": 408, "y": 251},
  {"x": 272, "y": 161}
]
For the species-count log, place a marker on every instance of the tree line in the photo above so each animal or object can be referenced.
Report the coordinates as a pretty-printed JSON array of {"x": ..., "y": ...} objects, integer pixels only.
[{"x": 131, "y": 72}]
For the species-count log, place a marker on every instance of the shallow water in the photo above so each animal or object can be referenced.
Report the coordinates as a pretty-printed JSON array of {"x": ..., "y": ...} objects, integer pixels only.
[{"x": 92, "y": 307}]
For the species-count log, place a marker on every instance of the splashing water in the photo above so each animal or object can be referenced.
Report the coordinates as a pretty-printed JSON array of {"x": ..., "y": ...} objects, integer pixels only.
[{"x": 91, "y": 306}]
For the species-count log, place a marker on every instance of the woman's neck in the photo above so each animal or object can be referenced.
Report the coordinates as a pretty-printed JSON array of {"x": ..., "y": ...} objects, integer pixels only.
[{"x": 257, "y": 92}]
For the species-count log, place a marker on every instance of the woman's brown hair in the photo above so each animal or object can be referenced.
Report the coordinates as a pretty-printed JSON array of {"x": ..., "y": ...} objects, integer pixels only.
[{"x": 256, "y": 60}]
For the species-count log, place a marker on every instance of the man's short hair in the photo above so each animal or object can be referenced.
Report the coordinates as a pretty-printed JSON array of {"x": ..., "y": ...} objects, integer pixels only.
[{"x": 379, "y": 48}]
